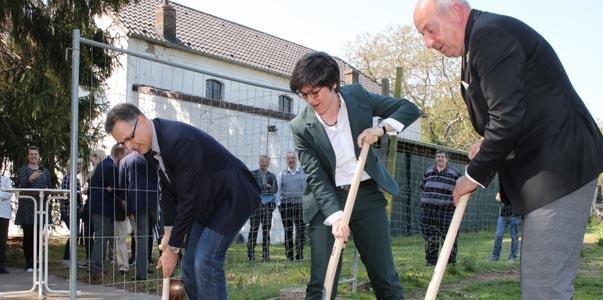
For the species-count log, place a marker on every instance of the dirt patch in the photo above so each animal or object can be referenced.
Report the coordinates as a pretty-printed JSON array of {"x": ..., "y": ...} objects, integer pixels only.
[{"x": 493, "y": 275}]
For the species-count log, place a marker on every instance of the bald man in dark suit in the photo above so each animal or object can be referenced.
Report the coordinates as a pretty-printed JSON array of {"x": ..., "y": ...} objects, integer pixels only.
[{"x": 537, "y": 134}]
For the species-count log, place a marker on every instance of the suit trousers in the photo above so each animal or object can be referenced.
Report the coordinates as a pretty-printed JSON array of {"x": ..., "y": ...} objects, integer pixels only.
[
  {"x": 551, "y": 245},
  {"x": 261, "y": 216},
  {"x": 140, "y": 226},
  {"x": 291, "y": 214},
  {"x": 3, "y": 238},
  {"x": 103, "y": 233},
  {"x": 152, "y": 214},
  {"x": 370, "y": 229}
]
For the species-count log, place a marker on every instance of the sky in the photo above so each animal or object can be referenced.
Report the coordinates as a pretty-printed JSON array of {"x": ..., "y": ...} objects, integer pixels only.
[{"x": 327, "y": 25}]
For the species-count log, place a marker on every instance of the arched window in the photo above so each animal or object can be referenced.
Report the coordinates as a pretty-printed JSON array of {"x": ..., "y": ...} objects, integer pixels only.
[
  {"x": 213, "y": 89},
  {"x": 285, "y": 103}
]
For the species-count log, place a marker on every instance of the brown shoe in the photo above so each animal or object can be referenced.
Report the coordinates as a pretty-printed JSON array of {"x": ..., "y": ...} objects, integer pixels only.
[{"x": 98, "y": 276}]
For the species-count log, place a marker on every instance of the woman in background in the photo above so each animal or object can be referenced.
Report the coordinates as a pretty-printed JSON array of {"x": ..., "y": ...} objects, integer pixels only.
[{"x": 31, "y": 176}]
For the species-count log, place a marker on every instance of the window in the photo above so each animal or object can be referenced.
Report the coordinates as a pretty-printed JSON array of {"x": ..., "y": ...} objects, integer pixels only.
[
  {"x": 285, "y": 103},
  {"x": 213, "y": 89}
]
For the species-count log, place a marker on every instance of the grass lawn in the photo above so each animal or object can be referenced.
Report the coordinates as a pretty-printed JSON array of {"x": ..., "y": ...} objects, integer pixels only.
[{"x": 472, "y": 277}]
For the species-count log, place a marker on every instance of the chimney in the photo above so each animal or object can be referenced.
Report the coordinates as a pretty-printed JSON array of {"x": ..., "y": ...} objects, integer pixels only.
[
  {"x": 351, "y": 76},
  {"x": 165, "y": 21}
]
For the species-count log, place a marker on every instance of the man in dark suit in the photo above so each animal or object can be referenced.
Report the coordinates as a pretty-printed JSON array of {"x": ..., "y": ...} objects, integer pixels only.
[
  {"x": 207, "y": 195},
  {"x": 327, "y": 135},
  {"x": 538, "y": 134},
  {"x": 140, "y": 184},
  {"x": 263, "y": 214},
  {"x": 104, "y": 196}
]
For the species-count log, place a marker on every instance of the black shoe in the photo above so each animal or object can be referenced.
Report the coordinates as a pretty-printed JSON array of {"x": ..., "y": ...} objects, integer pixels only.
[
  {"x": 299, "y": 257},
  {"x": 131, "y": 260},
  {"x": 138, "y": 278},
  {"x": 3, "y": 270}
]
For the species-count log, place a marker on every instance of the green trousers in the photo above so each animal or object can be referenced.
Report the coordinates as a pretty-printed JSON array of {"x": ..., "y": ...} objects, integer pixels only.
[{"x": 370, "y": 231}]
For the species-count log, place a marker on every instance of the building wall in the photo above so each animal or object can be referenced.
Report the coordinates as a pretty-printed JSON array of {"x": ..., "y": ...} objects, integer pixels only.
[{"x": 244, "y": 133}]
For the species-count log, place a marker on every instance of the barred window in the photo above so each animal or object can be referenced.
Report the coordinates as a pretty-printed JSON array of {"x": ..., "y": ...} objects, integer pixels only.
[
  {"x": 284, "y": 103},
  {"x": 213, "y": 89}
]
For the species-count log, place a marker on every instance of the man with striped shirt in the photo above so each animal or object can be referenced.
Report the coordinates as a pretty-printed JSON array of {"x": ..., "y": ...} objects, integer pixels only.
[{"x": 437, "y": 206}]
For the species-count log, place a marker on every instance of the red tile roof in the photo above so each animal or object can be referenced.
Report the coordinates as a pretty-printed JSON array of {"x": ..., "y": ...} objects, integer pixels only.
[{"x": 216, "y": 37}]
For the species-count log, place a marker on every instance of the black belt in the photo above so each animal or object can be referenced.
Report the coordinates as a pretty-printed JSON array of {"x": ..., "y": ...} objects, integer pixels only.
[{"x": 365, "y": 183}]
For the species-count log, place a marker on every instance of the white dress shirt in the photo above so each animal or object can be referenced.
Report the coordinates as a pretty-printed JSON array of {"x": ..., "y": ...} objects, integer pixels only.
[{"x": 340, "y": 136}]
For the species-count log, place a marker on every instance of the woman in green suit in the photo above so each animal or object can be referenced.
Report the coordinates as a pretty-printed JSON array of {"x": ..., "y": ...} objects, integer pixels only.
[{"x": 328, "y": 134}]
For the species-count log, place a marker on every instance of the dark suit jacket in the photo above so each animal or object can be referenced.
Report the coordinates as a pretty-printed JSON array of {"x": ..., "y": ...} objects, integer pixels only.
[
  {"x": 207, "y": 183},
  {"x": 102, "y": 201},
  {"x": 139, "y": 182},
  {"x": 316, "y": 154},
  {"x": 538, "y": 135},
  {"x": 270, "y": 179}
]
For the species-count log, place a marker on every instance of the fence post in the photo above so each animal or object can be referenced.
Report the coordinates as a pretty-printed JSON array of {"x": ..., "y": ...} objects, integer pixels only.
[
  {"x": 392, "y": 149},
  {"x": 75, "y": 80},
  {"x": 392, "y": 146}
]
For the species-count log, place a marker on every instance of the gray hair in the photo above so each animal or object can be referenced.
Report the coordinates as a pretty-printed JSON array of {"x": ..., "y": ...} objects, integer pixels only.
[
  {"x": 117, "y": 150},
  {"x": 443, "y": 5},
  {"x": 121, "y": 112}
]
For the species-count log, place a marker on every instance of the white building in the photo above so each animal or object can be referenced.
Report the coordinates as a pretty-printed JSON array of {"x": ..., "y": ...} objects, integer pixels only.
[{"x": 248, "y": 120}]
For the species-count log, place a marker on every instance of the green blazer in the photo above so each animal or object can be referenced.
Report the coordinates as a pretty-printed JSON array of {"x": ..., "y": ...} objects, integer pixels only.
[{"x": 316, "y": 154}]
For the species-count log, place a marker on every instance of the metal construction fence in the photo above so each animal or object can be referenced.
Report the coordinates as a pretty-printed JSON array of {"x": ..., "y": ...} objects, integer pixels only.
[{"x": 247, "y": 112}]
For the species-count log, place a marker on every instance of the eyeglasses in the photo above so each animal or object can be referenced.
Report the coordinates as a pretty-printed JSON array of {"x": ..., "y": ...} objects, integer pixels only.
[
  {"x": 312, "y": 94},
  {"x": 132, "y": 135}
]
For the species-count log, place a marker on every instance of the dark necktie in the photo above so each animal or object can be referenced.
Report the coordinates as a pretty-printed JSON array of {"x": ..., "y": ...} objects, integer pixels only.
[{"x": 150, "y": 157}]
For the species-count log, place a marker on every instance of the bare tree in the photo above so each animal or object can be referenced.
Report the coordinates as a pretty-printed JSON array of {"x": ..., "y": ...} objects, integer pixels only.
[{"x": 430, "y": 80}]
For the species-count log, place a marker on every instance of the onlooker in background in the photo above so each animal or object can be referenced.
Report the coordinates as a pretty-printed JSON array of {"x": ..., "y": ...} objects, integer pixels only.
[
  {"x": 85, "y": 212},
  {"x": 6, "y": 211},
  {"x": 263, "y": 214},
  {"x": 103, "y": 198},
  {"x": 65, "y": 212},
  {"x": 140, "y": 183},
  {"x": 507, "y": 216},
  {"x": 32, "y": 176},
  {"x": 289, "y": 200},
  {"x": 437, "y": 206}
]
